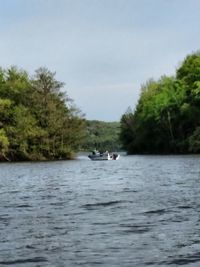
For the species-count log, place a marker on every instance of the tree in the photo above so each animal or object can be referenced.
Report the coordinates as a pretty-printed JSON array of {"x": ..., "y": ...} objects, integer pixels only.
[
  {"x": 167, "y": 116},
  {"x": 37, "y": 120},
  {"x": 4, "y": 143}
]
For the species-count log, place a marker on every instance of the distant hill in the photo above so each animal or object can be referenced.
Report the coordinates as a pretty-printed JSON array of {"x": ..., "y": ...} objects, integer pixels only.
[{"x": 102, "y": 136}]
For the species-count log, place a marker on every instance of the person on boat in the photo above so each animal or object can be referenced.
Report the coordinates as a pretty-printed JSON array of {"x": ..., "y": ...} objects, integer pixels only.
[
  {"x": 95, "y": 152},
  {"x": 106, "y": 153}
]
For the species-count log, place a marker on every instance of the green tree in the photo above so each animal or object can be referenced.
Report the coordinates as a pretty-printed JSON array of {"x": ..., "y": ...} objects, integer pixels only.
[
  {"x": 167, "y": 116},
  {"x": 37, "y": 120},
  {"x": 56, "y": 113},
  {"x": 4, "y": 143}
]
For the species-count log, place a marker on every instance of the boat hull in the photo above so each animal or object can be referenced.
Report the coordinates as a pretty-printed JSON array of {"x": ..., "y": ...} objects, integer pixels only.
[{"x": 104, "y": 157}]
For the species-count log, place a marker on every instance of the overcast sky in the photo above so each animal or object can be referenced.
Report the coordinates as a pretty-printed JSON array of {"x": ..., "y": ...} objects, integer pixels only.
[{"x": 102, "y": 49}]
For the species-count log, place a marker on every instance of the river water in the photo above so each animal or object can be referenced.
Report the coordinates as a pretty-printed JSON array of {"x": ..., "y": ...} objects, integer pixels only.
[{"x": 137, "y": 211}]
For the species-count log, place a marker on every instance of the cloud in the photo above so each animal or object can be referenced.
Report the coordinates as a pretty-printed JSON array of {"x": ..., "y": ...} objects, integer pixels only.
[{"x": 101, "y": 49}]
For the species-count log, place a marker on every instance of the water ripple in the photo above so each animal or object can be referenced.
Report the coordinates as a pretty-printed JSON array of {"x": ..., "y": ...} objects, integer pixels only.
[
  {"x": 138, "y": 211},
  {"x": 100, "y": 204},
  {"x": 28, "y": 260}
]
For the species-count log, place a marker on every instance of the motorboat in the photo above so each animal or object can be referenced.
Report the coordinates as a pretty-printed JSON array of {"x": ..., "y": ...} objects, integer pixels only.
[{"x": 96, "y": 155}]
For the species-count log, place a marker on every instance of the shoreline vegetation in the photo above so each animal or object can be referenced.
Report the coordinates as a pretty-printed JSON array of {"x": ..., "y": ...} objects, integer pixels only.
[
  {"x": 39, "y": 122},
  {"x": 166, "y": 119}
]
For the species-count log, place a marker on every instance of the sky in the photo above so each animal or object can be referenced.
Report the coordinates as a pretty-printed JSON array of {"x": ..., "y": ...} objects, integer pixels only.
[{"x": 103, "y": 50}]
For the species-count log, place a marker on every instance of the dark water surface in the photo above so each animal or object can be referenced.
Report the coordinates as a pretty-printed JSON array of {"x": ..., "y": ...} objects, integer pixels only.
[{"x": 137, "y": 211}]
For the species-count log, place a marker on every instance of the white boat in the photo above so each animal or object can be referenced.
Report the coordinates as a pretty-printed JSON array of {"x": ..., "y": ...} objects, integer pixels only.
[{"x": 96, "y": 155}]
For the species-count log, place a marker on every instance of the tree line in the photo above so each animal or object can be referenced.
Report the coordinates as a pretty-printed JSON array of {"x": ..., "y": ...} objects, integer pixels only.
[
  {"x": 38, "y": 121},
  {"x": 167, "y": 116}
]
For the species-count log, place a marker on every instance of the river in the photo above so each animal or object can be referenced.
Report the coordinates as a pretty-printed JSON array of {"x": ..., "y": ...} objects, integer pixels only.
[{"x": 137, "y": 211}]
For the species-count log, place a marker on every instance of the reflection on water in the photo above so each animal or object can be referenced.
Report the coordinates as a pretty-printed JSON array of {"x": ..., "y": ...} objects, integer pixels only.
[{"x": 138, "y": 211}]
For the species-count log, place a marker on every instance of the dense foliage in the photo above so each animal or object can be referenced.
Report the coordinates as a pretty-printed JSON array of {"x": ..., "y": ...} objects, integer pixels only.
[
  {"x": 37, "y": 120},
  {"x": 102, "y": 136},
  {"x": 167, "y": 116}
]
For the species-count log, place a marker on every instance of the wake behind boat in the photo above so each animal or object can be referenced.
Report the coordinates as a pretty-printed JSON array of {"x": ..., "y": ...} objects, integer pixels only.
[{"x": 96, "y": 155}]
